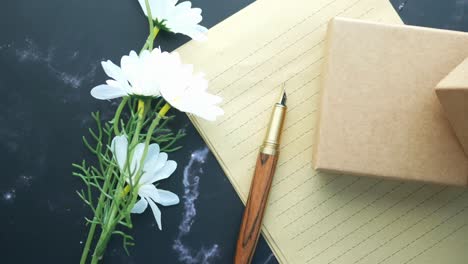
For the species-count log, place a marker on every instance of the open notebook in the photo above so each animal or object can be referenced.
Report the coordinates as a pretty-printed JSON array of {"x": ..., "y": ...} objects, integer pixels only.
[{"x": 313, "y": 217}]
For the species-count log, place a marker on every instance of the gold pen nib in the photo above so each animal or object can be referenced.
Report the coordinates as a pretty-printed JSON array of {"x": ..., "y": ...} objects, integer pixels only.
[{"x": 283, "y": 98}]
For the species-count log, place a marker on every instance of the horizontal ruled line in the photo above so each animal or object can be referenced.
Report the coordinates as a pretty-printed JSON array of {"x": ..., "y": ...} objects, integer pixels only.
[
  {"x": 412, "y": 225},
  {"x": 354, "y": 214},
  {"x": 324, "y": 201},
  {"x": 275, "y": 38},
  {"x": 295, "y": 187},
  {"x": 336, "y": 210}
]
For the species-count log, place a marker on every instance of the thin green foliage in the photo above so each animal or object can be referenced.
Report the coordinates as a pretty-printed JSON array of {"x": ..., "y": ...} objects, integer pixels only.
[{"x": 108, "y": 191}]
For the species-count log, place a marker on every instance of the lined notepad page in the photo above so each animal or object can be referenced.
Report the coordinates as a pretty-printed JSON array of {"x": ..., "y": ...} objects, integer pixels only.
[{"x": 313, "y": 217}]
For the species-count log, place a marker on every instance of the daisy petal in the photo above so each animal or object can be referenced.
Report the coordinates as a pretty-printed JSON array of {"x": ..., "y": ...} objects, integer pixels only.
[
  {"x": 161, "y": 161},
  {"x": 131, "y": 68},
  {"x": 136, "y": 159},
  {"x": 112, "y": 70},
  {"x": 114, "y": 83},
  {"x": 143, "y": 7},
  {"x": 167, "y": 198},
  {"x": 156, "y": 213},
  {"x": 158, "y": 8},
  {"x": 106, "y": 92},
  {"x": 151, "y": 158},
  {"x": 149, "y": 191},
  {"x": 176, "y": 18},
  {"x": 119, "y": 148},
  {"x": 165, "y": 172},
  {"x": 153, "y": 169},
  {"x": 140, "y": 206}
]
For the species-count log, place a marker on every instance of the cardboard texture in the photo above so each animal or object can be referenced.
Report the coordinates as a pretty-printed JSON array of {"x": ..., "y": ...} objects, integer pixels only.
[
  {"x": 379, "y": 113},
  {"x": 452, "y": 92}
]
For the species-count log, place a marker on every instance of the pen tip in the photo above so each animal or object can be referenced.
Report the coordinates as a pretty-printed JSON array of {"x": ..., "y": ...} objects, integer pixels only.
[{"x": 283, "y": 97}]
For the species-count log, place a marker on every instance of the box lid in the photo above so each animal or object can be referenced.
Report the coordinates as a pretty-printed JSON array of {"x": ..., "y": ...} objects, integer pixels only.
[{"x": 379, "y": 114}]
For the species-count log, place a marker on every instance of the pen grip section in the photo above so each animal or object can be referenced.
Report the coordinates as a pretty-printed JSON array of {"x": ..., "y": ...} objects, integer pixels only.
[{"x": 255, "y": 207}]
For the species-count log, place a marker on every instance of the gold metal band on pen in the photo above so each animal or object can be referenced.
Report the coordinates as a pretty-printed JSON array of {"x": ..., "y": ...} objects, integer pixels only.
[{"x": 271, "y": 143}]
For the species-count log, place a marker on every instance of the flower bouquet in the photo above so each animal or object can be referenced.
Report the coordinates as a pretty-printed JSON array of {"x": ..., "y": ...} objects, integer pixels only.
[{"x": 131, "y": 148}]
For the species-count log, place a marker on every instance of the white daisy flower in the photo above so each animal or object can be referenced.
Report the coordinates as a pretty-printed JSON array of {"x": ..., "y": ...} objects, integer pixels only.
[
  {"x": 159, "y": 73},
  {"x": 188, "y": 92},
  {"x": 181, "y": 18},
  {"x": 137, "y": 75},
  {"x": 156, "y": 167}
]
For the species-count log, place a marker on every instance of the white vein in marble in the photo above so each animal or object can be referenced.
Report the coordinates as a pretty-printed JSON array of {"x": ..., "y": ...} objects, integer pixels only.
[
  {"x": 402, "y": 5},
  {"x": 269, "y": 259},
  {"x": 31, "y": 52},
  {"x": 191, "y": 183}
]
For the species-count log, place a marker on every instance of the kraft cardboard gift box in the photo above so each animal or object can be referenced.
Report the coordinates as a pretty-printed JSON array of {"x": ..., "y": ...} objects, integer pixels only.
[
  {"x": 452, "y": 92},
  {"x": 379, "y": 114}
]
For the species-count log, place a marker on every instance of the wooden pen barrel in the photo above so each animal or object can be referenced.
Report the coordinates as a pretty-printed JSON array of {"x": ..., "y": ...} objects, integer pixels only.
[{"x": 255, "y": 207}]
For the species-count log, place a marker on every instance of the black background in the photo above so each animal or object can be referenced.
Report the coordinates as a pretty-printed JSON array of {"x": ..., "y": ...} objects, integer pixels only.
[{"x": 50, "y": 53}]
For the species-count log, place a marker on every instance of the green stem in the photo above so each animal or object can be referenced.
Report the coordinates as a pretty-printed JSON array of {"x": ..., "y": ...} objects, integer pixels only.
[
  {"x": 150, "y": 40},
  {"x": 85, "y": 253},
  {"x": 92, "y": 229},
  {"x": 141, "y": 111},
  {"x": 150, "y": 16},
  {"x": 109, "y": 225},
  {"x": 161, "y": 114},
  {"x": 154, "y": 33},
  {"x": 143, "y": 106},
  {"x": 153, "y": 30},
  {"x": 108, "y": 228},
  {"x": 101, "y": 245},
  {"x": 130, "y": 188},
  {"x": 117, "y": 115}
]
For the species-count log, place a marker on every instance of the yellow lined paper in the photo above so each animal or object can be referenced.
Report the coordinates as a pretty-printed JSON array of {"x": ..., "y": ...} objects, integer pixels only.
[{"x": 313, "y": 217}]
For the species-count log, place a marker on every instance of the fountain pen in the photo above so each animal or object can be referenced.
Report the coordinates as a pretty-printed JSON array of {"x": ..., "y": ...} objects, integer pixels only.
[{"x": 261, "y": 184}]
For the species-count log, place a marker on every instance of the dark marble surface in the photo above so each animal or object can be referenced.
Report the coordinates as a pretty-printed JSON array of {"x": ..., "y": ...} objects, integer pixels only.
[{"x": 49, "y": 60}]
